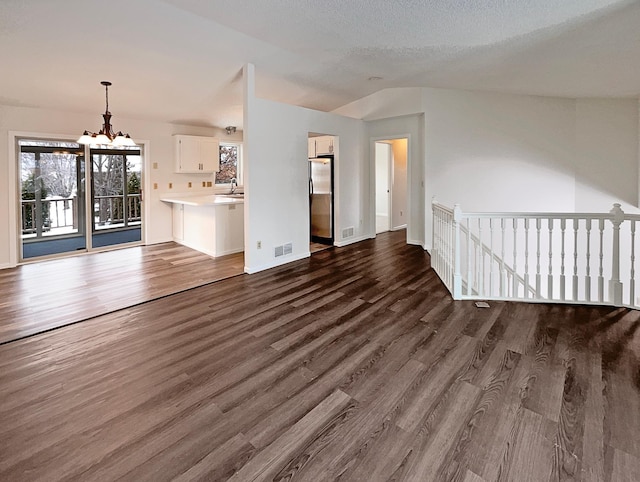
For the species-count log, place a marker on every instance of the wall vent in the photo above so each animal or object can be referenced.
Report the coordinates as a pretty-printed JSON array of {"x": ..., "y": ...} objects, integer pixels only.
[
  {"x": 347, "y": 232},
  {"x": 283, "y": 250}
]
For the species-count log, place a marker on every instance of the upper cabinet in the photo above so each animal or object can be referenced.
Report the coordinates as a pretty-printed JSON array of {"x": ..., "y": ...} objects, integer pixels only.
[
  {"x": 195, "y": 154},
  {"x": 320, "y": 146}
]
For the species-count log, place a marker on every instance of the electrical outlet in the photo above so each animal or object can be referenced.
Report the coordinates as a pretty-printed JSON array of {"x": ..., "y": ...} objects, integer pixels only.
[
  {"x": 259, "y": 244},
  {"x": 170, "y": 185},
  {"x": 155, "y": 185},
  {"x": 189, "y": 184},
  {"x": 400, "y": 213},
  {"x": 204, "y": 184},
  {"x": 209, "y": 184},
  {"x": 155, "y": 165}
]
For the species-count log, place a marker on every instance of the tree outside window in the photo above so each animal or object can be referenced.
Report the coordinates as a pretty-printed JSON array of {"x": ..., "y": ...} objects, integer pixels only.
[{"x": 229, "y": 167}]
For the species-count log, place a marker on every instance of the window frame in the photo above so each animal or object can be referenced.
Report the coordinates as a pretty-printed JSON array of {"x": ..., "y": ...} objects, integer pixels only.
[{"x": 225, "y": 187}]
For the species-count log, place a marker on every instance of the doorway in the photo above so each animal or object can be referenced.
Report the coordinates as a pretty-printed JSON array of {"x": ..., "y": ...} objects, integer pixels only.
[
  {"x": 390, "y": 166},
  {"x": 321, "y": 190}
]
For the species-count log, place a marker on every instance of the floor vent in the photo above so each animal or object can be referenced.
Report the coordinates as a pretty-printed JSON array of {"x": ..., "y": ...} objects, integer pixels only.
[{"x": 347, "y": 232}]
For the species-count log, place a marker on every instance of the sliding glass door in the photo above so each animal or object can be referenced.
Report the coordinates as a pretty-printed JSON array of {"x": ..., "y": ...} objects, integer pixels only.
[{"x": 67, "y": 206}]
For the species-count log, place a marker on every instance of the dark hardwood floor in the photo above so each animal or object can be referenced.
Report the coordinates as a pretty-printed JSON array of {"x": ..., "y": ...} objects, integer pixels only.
[
  {"x": 41, "y": 296},
  {"x": 352, "y": 365}
]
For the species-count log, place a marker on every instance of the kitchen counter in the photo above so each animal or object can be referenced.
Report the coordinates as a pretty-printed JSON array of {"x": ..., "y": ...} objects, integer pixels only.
[
  {"x": 210, "y": 223},
  {"x": 202, "y": 199}
]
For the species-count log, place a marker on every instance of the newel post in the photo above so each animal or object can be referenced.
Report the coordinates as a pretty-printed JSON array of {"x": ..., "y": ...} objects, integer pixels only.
[
  {"x": 457, "y": 276},
  {"x": 615, "y": 285}
]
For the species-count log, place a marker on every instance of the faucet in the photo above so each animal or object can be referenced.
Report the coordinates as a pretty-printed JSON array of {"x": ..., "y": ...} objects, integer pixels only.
[{"x": 234, "y": 185}]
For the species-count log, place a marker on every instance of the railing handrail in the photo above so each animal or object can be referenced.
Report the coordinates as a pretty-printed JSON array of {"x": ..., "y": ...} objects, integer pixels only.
[{"x": 567, "y": 260}]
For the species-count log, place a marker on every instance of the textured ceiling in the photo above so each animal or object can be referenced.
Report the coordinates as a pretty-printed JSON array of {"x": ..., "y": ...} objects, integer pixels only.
[{"x": 180, "y": 60}]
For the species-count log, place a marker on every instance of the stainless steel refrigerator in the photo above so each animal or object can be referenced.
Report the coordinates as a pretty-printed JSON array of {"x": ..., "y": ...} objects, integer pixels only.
[{"x": 321, "y": 199}]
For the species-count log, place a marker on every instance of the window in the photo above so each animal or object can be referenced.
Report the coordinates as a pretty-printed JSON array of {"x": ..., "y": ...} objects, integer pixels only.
[{"x": 230, "y": 164}]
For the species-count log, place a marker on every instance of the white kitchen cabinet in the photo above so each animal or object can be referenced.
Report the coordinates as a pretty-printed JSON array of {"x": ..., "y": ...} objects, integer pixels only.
[
  {"x": 311, "y": 147},
  {"x": 324, "y": 145},
  {"x": 195, "y": 154}
]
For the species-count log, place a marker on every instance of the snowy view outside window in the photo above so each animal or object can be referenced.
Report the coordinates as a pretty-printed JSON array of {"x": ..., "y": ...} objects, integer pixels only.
[
  {"x": 228, "y": 164},
  {"x": 52, "y": 176}
]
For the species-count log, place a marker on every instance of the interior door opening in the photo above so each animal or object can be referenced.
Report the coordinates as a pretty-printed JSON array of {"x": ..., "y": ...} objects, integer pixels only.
[{"x": 390, "y": 165}]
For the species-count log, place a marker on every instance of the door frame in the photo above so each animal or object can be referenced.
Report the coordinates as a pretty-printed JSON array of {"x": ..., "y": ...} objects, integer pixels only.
[
  {"x": 372, "y": 180},
  {"x": 14, "y": 207},
  {"x": 390, "y": 173}
]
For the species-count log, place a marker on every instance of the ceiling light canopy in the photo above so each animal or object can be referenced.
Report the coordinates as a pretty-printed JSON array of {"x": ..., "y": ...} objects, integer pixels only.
[{"x": 106, "y": 135}]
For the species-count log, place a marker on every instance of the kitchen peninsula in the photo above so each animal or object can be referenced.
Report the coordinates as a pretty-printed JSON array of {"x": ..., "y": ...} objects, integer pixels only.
[{"x": 212, "y": 224}]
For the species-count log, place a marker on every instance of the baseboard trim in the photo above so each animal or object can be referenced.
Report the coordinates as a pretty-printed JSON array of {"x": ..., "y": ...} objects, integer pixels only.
[
  {"x": 340, "y": 244},
  {"x": 276, "y": 263},
  {"x": 417, "y": 243}
]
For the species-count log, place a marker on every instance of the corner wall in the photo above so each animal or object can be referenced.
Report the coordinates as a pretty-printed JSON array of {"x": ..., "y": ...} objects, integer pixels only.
[{"x": 277, "y": 179}]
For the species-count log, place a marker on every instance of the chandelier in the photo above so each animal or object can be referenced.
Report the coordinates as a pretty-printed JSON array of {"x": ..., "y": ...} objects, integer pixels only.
[{"x": 106, "y": 135}]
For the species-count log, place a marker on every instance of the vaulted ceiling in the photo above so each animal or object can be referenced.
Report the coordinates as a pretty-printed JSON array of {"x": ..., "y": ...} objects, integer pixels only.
[{"x": 181, "y": 60}]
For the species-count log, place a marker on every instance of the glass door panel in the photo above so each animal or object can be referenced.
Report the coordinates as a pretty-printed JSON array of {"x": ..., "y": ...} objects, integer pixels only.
[
  {"x": 52, "y": 201},
  {"x": 116, "y": 196}
]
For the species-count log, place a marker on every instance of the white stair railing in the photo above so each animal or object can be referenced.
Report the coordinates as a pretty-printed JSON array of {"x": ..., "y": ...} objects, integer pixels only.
[{"x": 546, "y": 257}]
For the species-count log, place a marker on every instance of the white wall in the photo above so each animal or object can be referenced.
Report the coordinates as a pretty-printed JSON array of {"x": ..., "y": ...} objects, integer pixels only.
[
  {"x": 496, "y": 152},
  {"x": 276, "y": 178},
  {"x": 70, "y": 125},
  {"x": 607, "y": 154}
]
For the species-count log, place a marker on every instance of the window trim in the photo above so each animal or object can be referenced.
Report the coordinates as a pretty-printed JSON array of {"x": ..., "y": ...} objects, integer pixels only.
[{"x": 225, "y": 187}]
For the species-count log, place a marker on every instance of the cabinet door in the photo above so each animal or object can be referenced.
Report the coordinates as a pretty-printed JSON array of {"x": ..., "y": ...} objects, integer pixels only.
[
  {"x": 209, "y": 155},
  {"x": 187, "y": 154},
  {"x": 197, "y": 154},
  {"x": 324, "y": 145},
  {"x": 311, "y": 148}
]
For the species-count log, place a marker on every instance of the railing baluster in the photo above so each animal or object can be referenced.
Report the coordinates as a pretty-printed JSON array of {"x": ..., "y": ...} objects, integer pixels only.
[
  {"x": 526, "y": 258},
  {"x": 491, "y": 270},
  {"x": 575, "y": 259},
  {"x": 538, "y": 276},
  {"x": 515, "y": 258},
  {"x": 503, "y": 277},
  {"x": 563, "y": 226},
  {"x": 632, "y": 279},
  {"x": 469, "y": 268},
  {"x": 600, "y": 271},
  {"x": 481, "y": 260},
  {"x": 550, "y": 274},
  {"x": 587, "y": 279}
]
